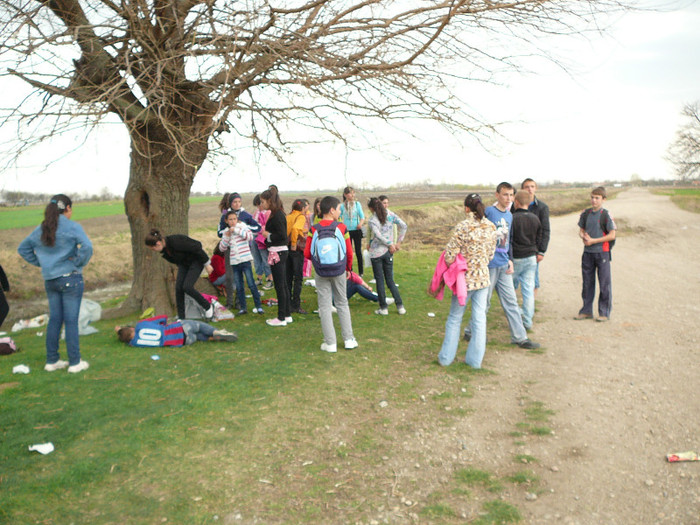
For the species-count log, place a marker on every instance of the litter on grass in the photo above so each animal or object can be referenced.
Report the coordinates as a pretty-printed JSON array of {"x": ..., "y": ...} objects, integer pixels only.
[{"x": 42, "y": 448}]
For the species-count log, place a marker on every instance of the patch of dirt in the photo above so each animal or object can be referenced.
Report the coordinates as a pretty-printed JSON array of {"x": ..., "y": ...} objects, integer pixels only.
[{"x": 624, "y": 393}]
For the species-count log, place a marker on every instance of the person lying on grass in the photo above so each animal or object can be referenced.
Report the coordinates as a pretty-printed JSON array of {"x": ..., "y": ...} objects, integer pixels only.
[{"x": 155, "y": 331}]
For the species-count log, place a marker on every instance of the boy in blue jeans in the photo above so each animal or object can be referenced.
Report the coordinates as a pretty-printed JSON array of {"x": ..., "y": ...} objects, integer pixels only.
[
  {"x": 527, "y": 235},
  {"x": 597, "y": 231}
]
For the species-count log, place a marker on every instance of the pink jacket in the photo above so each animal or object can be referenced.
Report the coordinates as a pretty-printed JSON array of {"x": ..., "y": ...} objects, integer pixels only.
[{"x": 453, "y": 276}]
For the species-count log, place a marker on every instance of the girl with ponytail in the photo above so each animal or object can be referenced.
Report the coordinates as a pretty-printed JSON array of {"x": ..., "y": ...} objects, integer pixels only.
[
  {"x": 474, "y": 239},
  {"x": 191, "y": 259},
  {"x": 61, "y": 249}
]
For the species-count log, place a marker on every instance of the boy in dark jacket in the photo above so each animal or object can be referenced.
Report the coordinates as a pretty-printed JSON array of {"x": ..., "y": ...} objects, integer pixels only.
[{"x": 527, "y": 234}]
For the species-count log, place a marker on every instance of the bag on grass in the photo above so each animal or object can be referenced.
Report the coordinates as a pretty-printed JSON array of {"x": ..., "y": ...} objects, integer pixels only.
[{"x": 7, "y": 346}]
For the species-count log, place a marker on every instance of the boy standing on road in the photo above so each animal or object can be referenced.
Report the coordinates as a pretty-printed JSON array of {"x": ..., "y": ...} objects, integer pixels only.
[
  {"x": 597, "y": 231},
  {"x": 501, "y": 268},
  {"x": 527, "y": 232},
  {"x": 540, "y": 209}
]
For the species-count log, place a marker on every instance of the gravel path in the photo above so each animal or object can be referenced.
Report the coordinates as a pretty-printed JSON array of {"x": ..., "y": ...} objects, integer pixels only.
[{"x": 625, "y": 393}]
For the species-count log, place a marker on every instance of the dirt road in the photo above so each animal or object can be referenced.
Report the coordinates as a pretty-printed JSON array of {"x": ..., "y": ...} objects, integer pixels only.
[{"x": 625, "y": 393}]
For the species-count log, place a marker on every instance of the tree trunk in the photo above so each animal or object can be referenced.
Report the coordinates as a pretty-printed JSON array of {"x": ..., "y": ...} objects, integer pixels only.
[{"x": 157, "y": 196}]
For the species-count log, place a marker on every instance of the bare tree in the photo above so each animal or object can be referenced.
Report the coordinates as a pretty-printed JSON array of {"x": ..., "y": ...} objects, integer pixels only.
[
  {"x": 684, "y": 152},
  {"x": 178, "y": 73}
]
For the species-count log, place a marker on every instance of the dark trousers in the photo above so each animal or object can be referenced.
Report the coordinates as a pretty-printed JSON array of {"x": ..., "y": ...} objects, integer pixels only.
[
  {"x": 383, "y": 268},
  {"x": 356, "y": 239},
  {"x": 590, "y": 263},
  {"x": 186, "y": 278},
  {"x": 279, "y": 277},
  {"x": 295, "y": 276},
  {"x": 4, "y": 307}
]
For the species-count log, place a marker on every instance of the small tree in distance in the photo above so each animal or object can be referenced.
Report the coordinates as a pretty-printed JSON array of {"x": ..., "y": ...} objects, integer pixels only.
[
  {"x": 684, "y": 152},
  {"x": 180, "y": 73}
]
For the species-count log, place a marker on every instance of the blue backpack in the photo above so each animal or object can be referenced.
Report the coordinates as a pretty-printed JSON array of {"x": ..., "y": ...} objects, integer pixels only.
[{"x": 328, "y": 253}]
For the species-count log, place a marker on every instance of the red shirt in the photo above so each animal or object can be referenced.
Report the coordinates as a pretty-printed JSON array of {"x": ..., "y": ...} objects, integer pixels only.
[{"x": 343, "y": 230}]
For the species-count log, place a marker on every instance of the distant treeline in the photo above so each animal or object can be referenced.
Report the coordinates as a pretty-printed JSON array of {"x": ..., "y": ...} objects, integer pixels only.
[{"x": 25, "y": 198}]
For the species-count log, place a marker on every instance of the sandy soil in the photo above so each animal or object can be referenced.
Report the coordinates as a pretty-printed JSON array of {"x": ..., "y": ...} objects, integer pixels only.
[{"x": 625, "y": 393}]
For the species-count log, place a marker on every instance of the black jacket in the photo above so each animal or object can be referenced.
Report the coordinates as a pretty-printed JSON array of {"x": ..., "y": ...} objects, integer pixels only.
[
  {"x": 183, "y": 250},
  {"x": 527, "y": 233},
  {"x": 277, "y": 226}
]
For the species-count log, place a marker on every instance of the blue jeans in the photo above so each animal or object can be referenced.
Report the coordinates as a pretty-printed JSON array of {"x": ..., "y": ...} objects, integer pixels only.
[
  {"x": 477, "y": 343},
  {"x": 503, "y": 284},
  {"x": 524, "y": 273},
  {"x": 260, "y": 259},
  {"x": 353, "y": 288},
  {"x": 383, "y": 268},
  {"x": 239, "y": 270},
  {"x": 196, "y": 331},
  {"x": 65, "y": 294}
]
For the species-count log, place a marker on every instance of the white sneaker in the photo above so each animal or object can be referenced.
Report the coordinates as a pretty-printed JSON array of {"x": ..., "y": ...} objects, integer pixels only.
[
  {"x": 382, "y": 311},
  {"x": 334, "y": 309},
  {"x": 209, "y": 314},
  {"x": 390, "y": 300},
  {"x": 289, "y": 320},
  {"x": 58, "y": 365},
  {"x": 351, "y": 343},
  {"x": 331, "y": 349},
  {"x": 276, "y": 322},
  {"x": 83, "y": 365},
  {"x": 402, "y": 310}
]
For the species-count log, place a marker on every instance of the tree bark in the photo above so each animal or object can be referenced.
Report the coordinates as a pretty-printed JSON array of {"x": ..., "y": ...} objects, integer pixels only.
[{"x": 157, "y": 196}]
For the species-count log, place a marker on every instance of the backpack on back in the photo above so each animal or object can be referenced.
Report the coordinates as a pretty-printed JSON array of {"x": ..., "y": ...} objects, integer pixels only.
[
  {"x": 604, "y": 216},
  {"x": 328, "y": 252}
]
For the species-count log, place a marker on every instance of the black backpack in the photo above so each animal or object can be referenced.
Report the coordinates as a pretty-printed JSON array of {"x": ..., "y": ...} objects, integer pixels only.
[{"x": 604, "y": 216}]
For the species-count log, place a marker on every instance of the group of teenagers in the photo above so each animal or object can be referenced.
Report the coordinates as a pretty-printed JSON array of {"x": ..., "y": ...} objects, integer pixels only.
[
  {"x": 499, "y": 248},
  {"x": 280, "y": 245},
  {"x": 494, "y": 248}
]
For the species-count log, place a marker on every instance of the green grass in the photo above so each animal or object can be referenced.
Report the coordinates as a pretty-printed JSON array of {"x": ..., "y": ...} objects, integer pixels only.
[
  {"x": 23, "y": 216},
  {"x": 498, "y": 512},
  {"x": 523, "y": 477},
  {"x": 270, "y": 427},
  {"x": 685, "y": 198}
]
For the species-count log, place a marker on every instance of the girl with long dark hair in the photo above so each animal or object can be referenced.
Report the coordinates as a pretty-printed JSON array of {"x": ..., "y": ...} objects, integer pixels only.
[
  {"x": 475, "y": 239},
  {"x": 382, "y": 248},
  {"x": 190, "y": 258},
  {"x": 276, "y": 240},
  {"x": 61, "y": 249}
]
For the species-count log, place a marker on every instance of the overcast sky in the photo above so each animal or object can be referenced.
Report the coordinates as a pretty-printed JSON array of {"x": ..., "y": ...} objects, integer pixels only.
[{"x": 611, "y": 116}]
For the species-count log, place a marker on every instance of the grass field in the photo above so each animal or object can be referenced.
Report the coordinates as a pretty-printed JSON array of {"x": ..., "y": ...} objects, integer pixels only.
[
  {"x": 24, "y": 216},
  {"x": 266, "y": 430},
  {"x": 685, "y": 198},
  {"x": 269, "y": 428}
]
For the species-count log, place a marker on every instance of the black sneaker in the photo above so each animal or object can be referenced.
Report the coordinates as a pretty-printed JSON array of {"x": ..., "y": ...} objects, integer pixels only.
[
  {"x": 467, "y": 335},
  {"x": 242, "y": 312},
  {"x": 528, "y": 345}
]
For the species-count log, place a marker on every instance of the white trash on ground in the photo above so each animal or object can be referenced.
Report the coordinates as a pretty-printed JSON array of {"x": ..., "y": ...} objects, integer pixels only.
[{"x": 42, "y": 448}]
